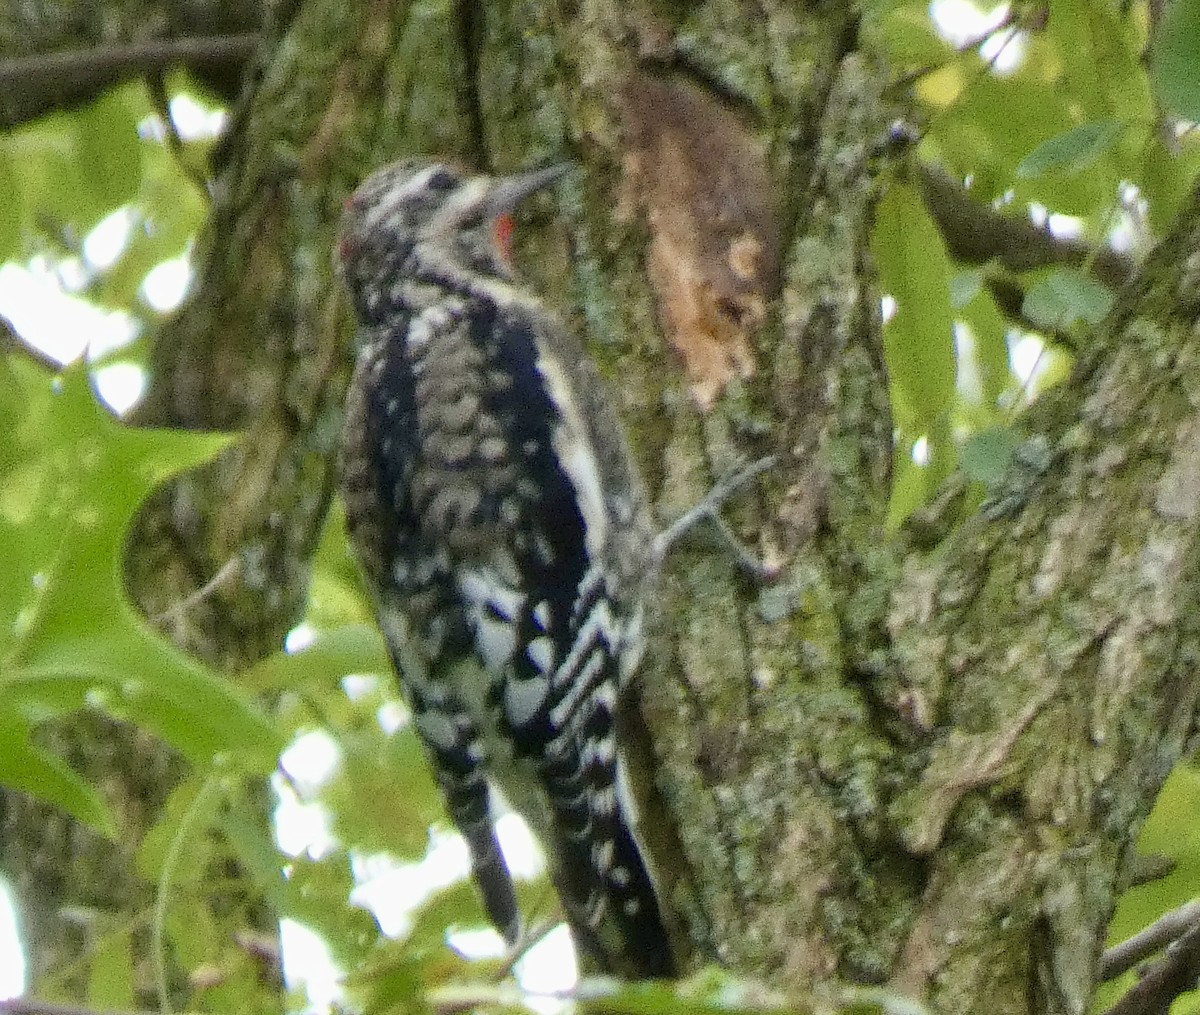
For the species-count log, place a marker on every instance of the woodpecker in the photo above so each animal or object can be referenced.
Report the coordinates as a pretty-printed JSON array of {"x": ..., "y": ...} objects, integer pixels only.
[{"x": 497, "y": 513}]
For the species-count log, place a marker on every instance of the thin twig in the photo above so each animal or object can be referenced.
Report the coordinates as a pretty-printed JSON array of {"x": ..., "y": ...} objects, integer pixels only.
[
  {"x": 1008, "y": 21},
  {"x": 86, "y": 64},
  {"x": 534, "y": 935},
  {"x": 1146, "y": 942},
  {"x": 457, "y": 999},
  {"x": 175, "y": 144},
  {"x": 229, "y": 571},
  {"x": 11, "y": 341},
  {"x": 708, "y": 511}
]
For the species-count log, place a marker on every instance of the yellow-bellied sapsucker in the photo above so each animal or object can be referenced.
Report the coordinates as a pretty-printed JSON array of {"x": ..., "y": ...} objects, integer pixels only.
[{"x": 500, "y": 520}]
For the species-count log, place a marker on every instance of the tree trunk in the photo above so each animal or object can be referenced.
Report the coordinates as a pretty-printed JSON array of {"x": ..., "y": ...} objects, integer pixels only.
[{"x": 922, "y": 757}]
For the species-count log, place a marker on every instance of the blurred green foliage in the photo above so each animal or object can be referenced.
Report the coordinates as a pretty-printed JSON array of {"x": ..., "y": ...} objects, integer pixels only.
[{"x": 1066, "y": 127}]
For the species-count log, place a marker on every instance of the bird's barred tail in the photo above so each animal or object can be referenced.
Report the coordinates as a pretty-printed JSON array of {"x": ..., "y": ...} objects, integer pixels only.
[
  {"x": 616, "y": 920},
  {"x": 601, "y": 872}
]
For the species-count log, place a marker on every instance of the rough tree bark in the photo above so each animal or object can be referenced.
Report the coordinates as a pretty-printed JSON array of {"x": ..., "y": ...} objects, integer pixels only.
[{"x": 922, "y": 757}]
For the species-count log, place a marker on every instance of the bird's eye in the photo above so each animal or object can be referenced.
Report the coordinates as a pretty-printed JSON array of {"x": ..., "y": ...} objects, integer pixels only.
[{"x": 440, "y": 179}]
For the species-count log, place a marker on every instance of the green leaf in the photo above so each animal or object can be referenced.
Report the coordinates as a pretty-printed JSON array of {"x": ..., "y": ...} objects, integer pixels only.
[
  {"x": 1064, "y": 297},
  {"x": 986, "y": 455},
  {"x": 999, "y": 122},
  {"x": 1099, "y": 51},
  {"x": 74, "y": 168},
  {"x": 190, "y": 856},
  {"x": 1171, "y": 831},
  {"x": 351, "y": 648},
  {"x": 168, "y": 211},
  {"x": 996, "y": 124},
  {"x": 390, "y": 982},
  {"x": 110, "y": 979},
  {"x": 964, "y": 287},
  {"x": 1075, "y": 150},
  {"x": 1168, "y": 176},
  {"x": 315, "y": 893},
  {"x": 909, "y": 488},
  {"x": 910, "y": 38},
  {"x": 68, "y": 635},
  {"x": 191, "y": 933},
  {"x": 338, "y": 596},
  {"x": 254, "y": 845},
  {"x": 919, "y": 339},
  {"x": 108, "y": 147},
  {"x": 990, "y": 332},
  {"x": 30, "y": 769},
  {"x": 457, "y": 907},
  {"x": 1175, "y": 62},
  {"x": 384, "y": 797}
]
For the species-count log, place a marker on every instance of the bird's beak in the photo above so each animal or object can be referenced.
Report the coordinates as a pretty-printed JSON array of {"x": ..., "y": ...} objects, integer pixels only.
[{"x": 509, "y": 191}]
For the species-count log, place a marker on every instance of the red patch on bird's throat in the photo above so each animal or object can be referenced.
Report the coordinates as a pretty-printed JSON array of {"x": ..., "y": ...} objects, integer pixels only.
[{"x": 502, "y": 234}]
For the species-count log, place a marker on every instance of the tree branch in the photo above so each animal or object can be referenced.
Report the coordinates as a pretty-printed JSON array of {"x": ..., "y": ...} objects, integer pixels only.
[
  {"x": 33, "y": 85},
  {"x": 83, "y": 65},
  {"x": 1000, "y": 627},
  {"x": 1147, "y": 868},
  {"x": 1146, "y": 942},
  {"x": 1174, "y": 975},
  {"x": 976, "y": 233}
]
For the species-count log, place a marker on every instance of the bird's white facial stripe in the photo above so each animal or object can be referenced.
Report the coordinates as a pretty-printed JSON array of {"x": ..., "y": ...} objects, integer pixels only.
[
  {"x": 459, "y": 204},
  {"x": 393, "y": 199},
  {"x": 417, "y": 184}
]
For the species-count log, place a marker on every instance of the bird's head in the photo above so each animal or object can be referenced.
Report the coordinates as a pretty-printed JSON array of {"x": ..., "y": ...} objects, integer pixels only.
[{"x": 419, "y": 218}]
